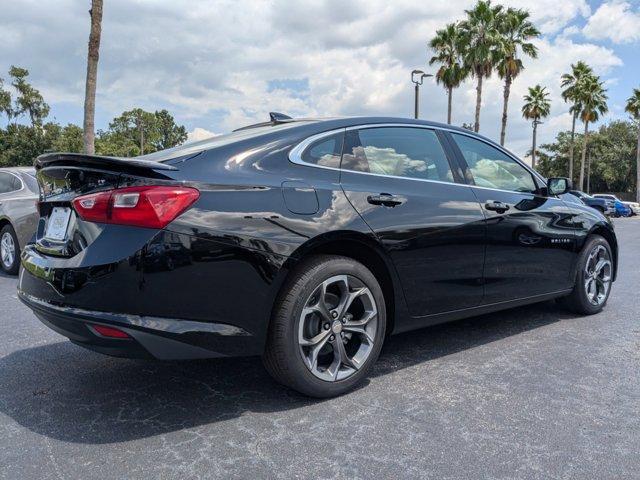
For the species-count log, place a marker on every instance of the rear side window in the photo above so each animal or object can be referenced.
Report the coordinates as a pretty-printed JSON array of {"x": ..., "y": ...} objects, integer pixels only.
[
  {"x": 31, "y": 182},
  {"x": 6, "y": 182},
  {"x": 17, "y": 184},
  {"x": 492, "y": 168},
  {"x": 325, "y": 151},
  {"x": 397, "y": 151}
]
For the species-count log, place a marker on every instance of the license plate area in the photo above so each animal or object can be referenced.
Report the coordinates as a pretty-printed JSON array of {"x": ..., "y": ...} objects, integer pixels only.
[{"x": 57, "y": 224}]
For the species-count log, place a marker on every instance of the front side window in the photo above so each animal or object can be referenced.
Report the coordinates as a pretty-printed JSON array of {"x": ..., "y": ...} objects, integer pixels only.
[
  {"x": 397, "y": 151},
  {"x": 325, "y": 151},
  {"x": 492, "y": 168}
]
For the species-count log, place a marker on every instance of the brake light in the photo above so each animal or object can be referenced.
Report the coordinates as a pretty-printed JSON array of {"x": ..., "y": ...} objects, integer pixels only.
[{"x": 149, "y": 207}]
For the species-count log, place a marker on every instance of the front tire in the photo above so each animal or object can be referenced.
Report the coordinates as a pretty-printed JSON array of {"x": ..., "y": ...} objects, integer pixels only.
[
  {"x": 327, "y": 328},
  {"x": 593, "y": 278},
  {"x": 9, "y": 250}
]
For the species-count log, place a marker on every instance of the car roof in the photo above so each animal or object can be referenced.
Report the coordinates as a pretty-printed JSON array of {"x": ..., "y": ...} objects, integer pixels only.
[
  {"x": 302, "y": 126},
  {"x": 27, "y": 170}
]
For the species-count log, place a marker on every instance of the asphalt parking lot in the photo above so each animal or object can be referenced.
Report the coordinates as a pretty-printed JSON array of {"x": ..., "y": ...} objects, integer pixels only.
[{"x": 533, "y": 392}]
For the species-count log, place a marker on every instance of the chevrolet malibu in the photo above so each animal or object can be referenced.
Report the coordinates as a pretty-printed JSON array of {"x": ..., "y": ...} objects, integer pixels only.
[{"x": 305, "y": 241}]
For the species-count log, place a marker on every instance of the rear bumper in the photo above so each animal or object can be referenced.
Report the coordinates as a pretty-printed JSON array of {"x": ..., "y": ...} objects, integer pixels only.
[
  {"x": 177, "y": 296},
  {"x": 150, "y": 337}
]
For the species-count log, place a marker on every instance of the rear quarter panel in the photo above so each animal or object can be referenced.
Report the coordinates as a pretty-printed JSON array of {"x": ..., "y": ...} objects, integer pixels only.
[
  {"x": 242, "y": 236},
  {"x": 20, "y": 210}
]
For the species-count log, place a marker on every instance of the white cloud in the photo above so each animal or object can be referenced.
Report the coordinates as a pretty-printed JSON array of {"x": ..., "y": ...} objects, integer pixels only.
[
  {"x": 616, "y": 21},
  {"x": 198, "y": 134},
  {"x": 211, "y": 63}
]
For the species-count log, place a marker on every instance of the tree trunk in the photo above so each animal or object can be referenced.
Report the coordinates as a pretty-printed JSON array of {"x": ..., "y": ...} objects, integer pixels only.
[
  {"x": 450, "y": 92},
  {"x": 533, "y": 149},
  {"x": 638, "y": 167},
  {"x": 584, "y": 154},
  {"x": 571, "y": 145},
  {"x": 476, "y": 126},
  {"x": 141, "y": 137},
  {"x": 92, "y": 76},
  {"x": 505, "y": 104},
  {"x": 588, "y": 186}
]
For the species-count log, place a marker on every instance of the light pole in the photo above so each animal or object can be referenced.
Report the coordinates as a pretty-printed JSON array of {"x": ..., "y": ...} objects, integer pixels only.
[
  {"x": 417, "y": 77},
  {"x": 535, "y": 124}
]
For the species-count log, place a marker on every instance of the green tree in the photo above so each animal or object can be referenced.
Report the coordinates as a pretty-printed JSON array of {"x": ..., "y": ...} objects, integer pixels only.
[
  {"x": 633, "y": 108},
  {"x": 480, "y": 39},
  {"x": 570, "y": 82},
  {"x": 135, "y": 127},
  {"x": 516, "y": 33},
  {"x": 28, "y": 99},
  {"x": 447, "y": 45},
  {"x": 169, "y": 134},
  {"x": 612, "y": 149},
  {"x": 592, "y": 99},
  {"x": 137, "y": 132},
  {"x": 536, "y": 106},
  {"x": 21, "y": 144},
  {"x": 5, "y": 101},
  {"x": 69, "y": 140}
]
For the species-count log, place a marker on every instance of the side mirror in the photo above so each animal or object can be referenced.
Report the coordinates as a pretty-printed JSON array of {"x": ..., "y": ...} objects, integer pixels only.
[{"x": 558, "y": 185}]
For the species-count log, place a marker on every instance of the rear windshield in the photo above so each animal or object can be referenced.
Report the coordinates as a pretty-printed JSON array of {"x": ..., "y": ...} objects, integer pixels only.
[{"x": 218, "y": 141}]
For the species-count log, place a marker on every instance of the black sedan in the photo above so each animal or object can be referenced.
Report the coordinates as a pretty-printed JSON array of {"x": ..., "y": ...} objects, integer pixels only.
[{"x": 304, "y": 241}]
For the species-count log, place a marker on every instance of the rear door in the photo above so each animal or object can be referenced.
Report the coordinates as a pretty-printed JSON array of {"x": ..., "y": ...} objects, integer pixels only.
[
  {"x": 405, "y": 186},
  {"x": 530, "y": 236}
]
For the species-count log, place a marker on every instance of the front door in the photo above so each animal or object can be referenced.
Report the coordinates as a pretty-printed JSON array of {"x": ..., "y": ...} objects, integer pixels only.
[
  {"x": 402, "y": 183},
  {"x": 530, "y": 237}
]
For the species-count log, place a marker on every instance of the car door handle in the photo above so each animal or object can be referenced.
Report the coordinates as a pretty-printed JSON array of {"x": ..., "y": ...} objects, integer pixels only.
[
  {"x": 385, "y": 199},
  {"x": 496, "y": 206}
]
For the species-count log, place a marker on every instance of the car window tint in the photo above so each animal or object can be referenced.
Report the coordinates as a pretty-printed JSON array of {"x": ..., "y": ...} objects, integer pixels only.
[
  {"x": 6, "y": 182},
  {"x": 325, "y": 152},
  {"x": 492, "y": 168},
  {"x": 397, "y": 151}
]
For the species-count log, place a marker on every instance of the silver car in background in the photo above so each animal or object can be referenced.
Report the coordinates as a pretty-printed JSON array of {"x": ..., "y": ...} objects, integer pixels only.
[{"x": 18, "y": 214}]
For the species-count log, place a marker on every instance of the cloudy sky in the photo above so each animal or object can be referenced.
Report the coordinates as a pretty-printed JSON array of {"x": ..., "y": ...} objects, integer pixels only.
[{"x": 218, "y": 65}]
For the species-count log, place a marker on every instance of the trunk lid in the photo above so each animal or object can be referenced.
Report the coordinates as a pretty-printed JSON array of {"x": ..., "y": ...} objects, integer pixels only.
[{"x": 64, "y": 176}]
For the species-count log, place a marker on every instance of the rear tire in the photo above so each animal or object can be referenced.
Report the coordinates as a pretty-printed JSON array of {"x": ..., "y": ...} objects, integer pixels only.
[
  {"x": 594, "y": 277},
  {"x": 9, "y": 250},
  {"x": 327, "y": 328}
]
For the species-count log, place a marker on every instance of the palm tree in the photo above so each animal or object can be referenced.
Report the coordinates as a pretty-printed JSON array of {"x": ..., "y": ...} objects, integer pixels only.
[
  {"x": 570, "y": 83},
  {"x": 480, "y": 38},
  {"x": 447, "y": 46},
  {"x": 633, "y": 107},
  {"x": 592, "y": 99},
  {"x": 515, "y": 32},
  {"x": 536, "y": 106},
  {"x": 92, "y": 76}
]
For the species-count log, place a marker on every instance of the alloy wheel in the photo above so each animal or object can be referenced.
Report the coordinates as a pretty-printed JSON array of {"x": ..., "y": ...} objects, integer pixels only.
[
  {"x": 597, "y": 275},
  {"x": 7, "y": 250},
  {"x": 337, "y": 328}
]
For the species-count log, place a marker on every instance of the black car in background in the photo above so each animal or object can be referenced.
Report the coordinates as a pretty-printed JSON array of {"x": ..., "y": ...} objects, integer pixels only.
[
  {"x": 599, "y": 204},
  {"x": 307, "y": 242}
]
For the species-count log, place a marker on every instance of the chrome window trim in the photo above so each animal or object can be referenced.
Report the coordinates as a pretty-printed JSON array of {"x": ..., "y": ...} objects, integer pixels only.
[{"x": 295, "y": 154}]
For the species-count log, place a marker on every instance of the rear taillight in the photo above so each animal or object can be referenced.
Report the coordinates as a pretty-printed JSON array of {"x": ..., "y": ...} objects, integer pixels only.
[{"x": 149, "y": 207}]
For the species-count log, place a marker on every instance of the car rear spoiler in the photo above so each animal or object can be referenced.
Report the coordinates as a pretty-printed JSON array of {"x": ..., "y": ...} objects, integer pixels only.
[{"x": 118, "y": 163}]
